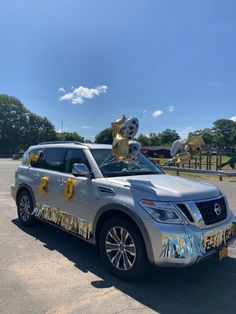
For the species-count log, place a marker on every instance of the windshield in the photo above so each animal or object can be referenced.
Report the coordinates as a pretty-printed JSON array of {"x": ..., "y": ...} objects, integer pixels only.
[{"x": 112, "y": 168}]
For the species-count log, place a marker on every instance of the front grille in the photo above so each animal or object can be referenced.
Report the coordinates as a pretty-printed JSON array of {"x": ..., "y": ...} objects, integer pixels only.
[
  {"x": 186, "y": 212},
  {"x": 209, "y": 209}
]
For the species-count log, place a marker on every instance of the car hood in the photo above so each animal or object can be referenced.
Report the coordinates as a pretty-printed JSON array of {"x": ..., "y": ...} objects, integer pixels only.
[{"x": 167, "y": 187}]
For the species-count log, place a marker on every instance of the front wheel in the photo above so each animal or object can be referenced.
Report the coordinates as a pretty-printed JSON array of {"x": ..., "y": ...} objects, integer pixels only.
[
  {"x": 25, "y": 208},
  {"x": 122, "y": 249}
]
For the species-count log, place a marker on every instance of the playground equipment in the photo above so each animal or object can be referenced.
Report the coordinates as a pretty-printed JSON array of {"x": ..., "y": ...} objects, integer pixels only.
[
  {"x": 207, "y": 161},
  {"x": 231, "y": 162}
]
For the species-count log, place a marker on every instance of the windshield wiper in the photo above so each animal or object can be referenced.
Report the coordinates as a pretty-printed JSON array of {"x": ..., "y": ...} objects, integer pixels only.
[{"x": 143, "y": 173}]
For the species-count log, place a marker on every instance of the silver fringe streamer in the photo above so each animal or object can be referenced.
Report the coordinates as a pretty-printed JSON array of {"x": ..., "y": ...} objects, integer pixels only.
[
  {"x": 186, "y": 245},
  {"x": 68, "y": 222}
]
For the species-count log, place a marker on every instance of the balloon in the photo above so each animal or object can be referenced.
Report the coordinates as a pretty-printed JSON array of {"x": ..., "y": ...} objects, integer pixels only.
[
  {"x": 43, "y": 185},
  {"x": 33, "y": 157},
  {"x": 134, "y": 150},
  {"x": 177, "y": 147},
  {"x": 195, "y": 140},
  {"x": 123, "y": 130},
  {"x": 69, "y": 188},
  {"x": 120, "y": 147},
  {"x": 182, "y": 158},
  {"x": 184, "y": 150},
  {"x": 130, "y": 128},
  {"x": 117, "y": 125}
]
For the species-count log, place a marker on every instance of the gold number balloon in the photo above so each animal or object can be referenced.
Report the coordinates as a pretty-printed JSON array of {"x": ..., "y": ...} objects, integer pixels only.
[
  {"x": 69, "y": 189},
  {"x": 43, "y": 185}
]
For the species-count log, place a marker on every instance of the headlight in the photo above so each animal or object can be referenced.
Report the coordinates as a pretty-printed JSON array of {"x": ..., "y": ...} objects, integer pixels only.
[{"x": 164, "y": 212}]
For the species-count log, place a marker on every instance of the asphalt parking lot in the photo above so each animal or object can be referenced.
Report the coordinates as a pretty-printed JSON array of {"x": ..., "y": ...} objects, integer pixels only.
[{"x": 45, "y": 270}]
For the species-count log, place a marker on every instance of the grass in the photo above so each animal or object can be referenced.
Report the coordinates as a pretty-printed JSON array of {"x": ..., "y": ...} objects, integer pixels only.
[
  {"x": 201, "y": 176},
  {"x": 225, "y": 158},
  {"x": 163, "y": 161}
]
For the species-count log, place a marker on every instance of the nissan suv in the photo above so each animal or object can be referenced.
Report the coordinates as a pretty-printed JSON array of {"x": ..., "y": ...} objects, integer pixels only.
[{"x": 136, "y": 214}]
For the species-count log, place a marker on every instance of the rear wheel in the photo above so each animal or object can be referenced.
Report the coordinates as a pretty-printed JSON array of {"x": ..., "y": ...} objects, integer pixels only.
[
  {"x": 25, "y": 208},
  {"x": 122, "y": 249}
]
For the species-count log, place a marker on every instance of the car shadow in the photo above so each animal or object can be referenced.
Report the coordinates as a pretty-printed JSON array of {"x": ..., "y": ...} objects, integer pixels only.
[{"x": 204, "y": 288}]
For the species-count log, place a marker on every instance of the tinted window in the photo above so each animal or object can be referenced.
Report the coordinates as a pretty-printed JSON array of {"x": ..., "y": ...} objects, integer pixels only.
[
  {"x": 75, "y": 156},
  {"x": 53, "y": 159}
]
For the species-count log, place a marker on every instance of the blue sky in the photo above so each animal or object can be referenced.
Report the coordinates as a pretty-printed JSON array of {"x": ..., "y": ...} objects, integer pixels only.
[{"x": 169, "y": 63}]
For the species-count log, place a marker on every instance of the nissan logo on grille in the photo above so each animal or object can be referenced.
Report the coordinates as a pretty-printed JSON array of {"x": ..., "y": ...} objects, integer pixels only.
[{"x": 217, "y": 209}]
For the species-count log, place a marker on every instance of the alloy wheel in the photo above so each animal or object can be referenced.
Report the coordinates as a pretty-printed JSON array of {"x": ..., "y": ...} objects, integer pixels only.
[
  {"x": 120, "y": 248},
  {"x": 24, "y": 207}
]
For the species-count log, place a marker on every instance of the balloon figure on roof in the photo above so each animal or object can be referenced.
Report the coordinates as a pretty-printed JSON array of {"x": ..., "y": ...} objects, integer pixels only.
[
  {"x": 183, "y": 150},
  {"x": 124, "y": 148}
]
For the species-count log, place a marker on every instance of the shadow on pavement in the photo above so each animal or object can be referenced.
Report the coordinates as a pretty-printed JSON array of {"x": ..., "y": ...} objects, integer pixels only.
[{"x": 209, "y": 287}]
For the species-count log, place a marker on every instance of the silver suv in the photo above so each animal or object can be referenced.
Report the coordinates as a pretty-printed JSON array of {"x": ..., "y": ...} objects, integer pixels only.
[{"x": 134, "y": 213}]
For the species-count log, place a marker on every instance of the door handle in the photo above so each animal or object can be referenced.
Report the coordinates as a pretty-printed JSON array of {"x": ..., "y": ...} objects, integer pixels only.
[
  {"x": 36, "y": 175},
  {"x": 61, "y": 181}
]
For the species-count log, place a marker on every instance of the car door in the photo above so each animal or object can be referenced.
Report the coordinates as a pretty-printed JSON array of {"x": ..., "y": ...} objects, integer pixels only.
[
  {"x": 30, "y": 176},
  {"x": 50, "y": 165},
  {"x": 81, "y": 203}
]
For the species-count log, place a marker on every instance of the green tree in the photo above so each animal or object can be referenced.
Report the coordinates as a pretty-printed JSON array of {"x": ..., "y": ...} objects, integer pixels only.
[
  {"x": 143, "y": 139},
  {"x": 154, "y": 139},
  {"x": 208, "y": 136},
  {"x": 40, "y": 129},
  {"x": 233, "y": 138},
  {"x": 88, "y": 140},
  {"x": 104, "y": 137},
  {"x": 225, "y": 133},
  {"x": 168, "y": 136},
  {"x": 70, "y": 136},
  {"x": 20, "y": 128},
  {"x": 13, "y": 124}
]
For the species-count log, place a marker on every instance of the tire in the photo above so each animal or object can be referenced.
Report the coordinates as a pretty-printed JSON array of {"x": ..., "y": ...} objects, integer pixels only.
[
  {"x": 126, "y": 259},
  {"x": 25, "y": 208}
]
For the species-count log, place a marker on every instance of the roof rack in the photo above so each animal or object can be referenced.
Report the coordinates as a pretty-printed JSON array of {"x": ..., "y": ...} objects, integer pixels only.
[{"x": 62, "y": 142}]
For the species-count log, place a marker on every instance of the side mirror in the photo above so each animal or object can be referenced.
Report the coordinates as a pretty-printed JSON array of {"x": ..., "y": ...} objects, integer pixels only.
[{"x": 80, "y": 170}]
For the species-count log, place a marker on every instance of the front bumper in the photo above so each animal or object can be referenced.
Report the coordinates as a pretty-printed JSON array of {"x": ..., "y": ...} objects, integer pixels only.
[
  {"x": 13, "y": 191},
  {"x": 176, "y": 245}
]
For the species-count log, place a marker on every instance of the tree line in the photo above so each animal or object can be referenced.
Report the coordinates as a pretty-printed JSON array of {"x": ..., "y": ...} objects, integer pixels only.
[
  {"x": 167, "y": 137},
  {"x": 20, "y": 128},
  {"x": 221, "y": 137}
]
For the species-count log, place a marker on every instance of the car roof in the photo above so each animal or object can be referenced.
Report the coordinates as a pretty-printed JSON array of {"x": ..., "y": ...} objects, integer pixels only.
[
  {"x": 99, "y": 146},
  {"x": 71, "y": 145}
]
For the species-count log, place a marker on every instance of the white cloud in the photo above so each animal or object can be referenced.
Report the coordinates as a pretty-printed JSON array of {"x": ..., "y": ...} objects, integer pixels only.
[
  {"x": 233, "y": 118},
  {"x": 61, "y": 89},
  {"x": 171, "y": 108},
  {"x": 157, "y": 113},
  {"x": 77, "y": 101},
  {"x": 68, "y": 96},
  {"x": 79, "y": 94}
]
